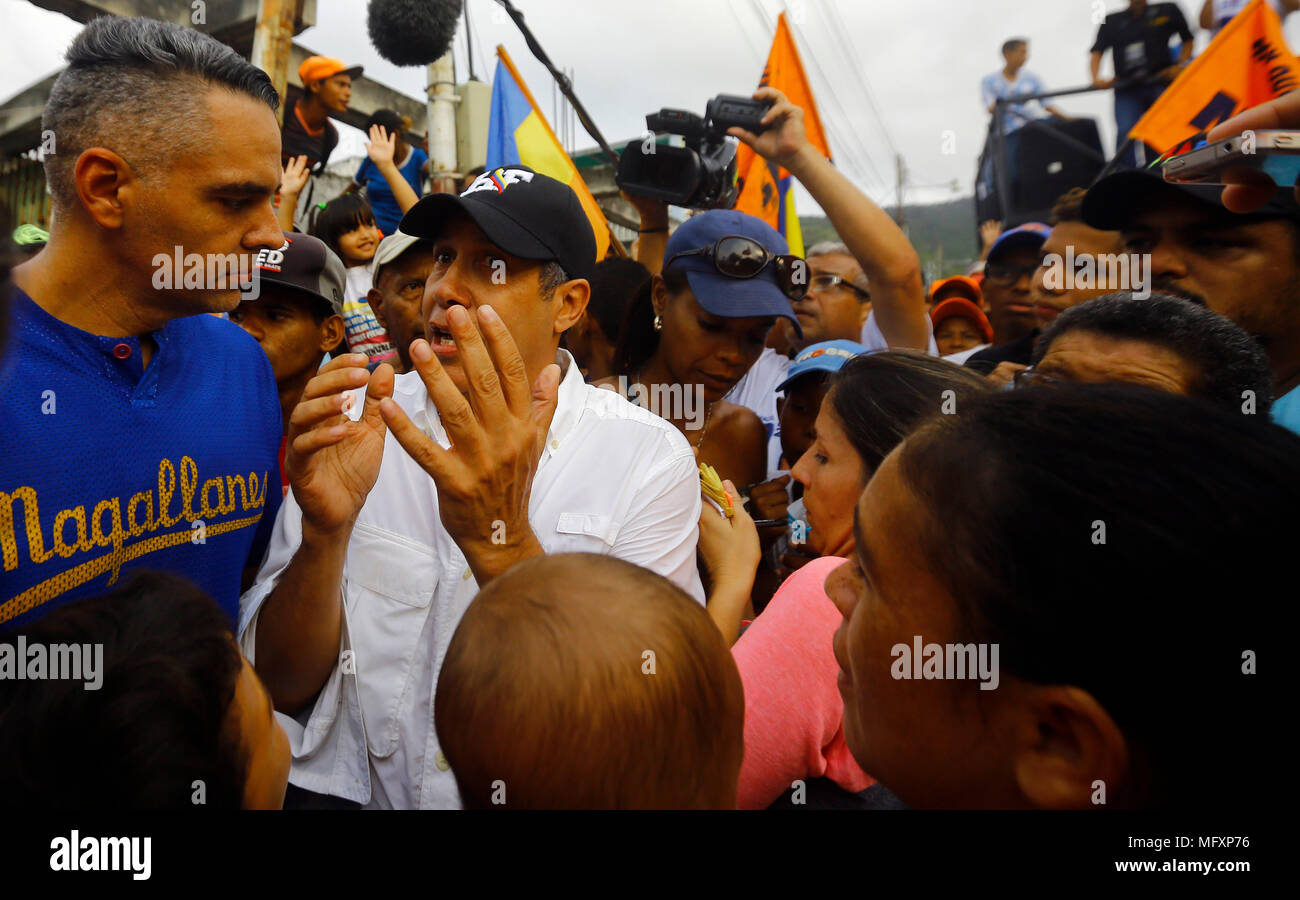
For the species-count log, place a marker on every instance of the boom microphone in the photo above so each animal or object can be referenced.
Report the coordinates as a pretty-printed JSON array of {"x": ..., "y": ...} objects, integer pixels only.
[{"x": 412, "y": 32}]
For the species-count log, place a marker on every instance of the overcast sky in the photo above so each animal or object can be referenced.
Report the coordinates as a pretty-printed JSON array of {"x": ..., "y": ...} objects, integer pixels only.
[{"x": 920, "y": 61}]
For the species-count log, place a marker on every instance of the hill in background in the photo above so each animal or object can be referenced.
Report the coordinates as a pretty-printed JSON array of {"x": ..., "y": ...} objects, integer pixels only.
[{"x": 942, "y": 233}]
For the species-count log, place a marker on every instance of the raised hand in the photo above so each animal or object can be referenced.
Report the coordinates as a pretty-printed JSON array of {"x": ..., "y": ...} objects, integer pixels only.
[
  {"x": 382, "y": 146},
  {"x": 332, "y": 461},
  {"x": 497, "y": 436},
  {"x": 784, "y": 136},
  {"x": 293, "y": 178}
]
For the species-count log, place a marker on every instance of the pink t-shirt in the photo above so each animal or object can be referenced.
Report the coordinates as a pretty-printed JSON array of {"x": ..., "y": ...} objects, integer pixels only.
[{"x": 794, "y": 716}]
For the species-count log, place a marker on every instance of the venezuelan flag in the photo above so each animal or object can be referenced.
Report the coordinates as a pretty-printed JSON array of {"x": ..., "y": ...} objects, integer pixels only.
[
  {"x": 519, "y": 133},
  {"x": 764, "y": 187}
]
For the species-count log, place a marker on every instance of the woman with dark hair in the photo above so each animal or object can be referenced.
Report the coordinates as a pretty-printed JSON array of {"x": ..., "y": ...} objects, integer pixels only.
[
  {"x": 1120, "y": 590},
  {"x": 793, "y": 712},
  {"x": 163, "y": 712},
  {"x": 699, "y": 325}
]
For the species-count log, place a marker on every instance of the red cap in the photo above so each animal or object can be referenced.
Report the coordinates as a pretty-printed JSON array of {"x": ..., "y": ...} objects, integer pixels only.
[
  {"x": 958, "y": 284},
  {"x": 960, "y": 306}
]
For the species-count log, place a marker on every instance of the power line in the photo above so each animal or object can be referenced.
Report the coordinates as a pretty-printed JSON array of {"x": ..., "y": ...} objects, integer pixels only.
[
  {"x": 851, "y": 154},
  {"x": 855, "y": 63},
  {"x": 855, "y": 150},
  {"x": 757, "y": 48}
]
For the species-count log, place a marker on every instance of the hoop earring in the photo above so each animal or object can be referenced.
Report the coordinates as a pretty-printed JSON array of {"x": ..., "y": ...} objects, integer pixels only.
[{"x": 659, "y": 323}]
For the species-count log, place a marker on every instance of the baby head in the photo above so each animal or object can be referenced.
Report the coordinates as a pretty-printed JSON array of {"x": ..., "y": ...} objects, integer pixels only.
[{"x": 579, "y": 681}]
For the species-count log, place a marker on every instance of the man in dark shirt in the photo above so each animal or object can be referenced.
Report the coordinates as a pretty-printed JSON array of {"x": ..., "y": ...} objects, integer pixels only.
[
  {"x": 326, "y": 91},
  {"x": 1008, "y": 278},
  {"x": 1139, "y": 40}
]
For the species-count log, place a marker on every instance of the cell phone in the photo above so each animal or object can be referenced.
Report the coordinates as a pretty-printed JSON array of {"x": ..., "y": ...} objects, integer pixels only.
[{"x": 1273, "y": 153}]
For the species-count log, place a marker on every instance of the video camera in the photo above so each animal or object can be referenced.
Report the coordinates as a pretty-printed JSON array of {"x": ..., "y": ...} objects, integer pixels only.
[{"x": 701, "y": 174}]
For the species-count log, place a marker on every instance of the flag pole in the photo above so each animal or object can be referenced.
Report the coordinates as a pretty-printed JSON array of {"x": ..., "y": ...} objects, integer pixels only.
[
  {"x": 509, "y": 63},
  {"x": 566, "y": 87}
]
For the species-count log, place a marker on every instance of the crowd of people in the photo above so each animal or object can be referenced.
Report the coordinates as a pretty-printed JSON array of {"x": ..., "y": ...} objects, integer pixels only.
[{"x": 998, "y": 542}]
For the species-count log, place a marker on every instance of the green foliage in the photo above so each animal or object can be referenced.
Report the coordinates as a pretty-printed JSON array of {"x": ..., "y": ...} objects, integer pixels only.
[{"x": 943, "y": 234}]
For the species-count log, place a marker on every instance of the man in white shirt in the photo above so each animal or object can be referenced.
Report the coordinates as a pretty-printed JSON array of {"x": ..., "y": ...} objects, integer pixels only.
[
  {"x": 1013, "y": 81},
  {"x": 408, "y": 497}
]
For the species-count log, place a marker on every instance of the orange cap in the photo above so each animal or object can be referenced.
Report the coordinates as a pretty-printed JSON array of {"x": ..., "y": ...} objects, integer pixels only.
[
  {"x": 963, "y": 286},
  {"x": 960, "y": 306},
  {"x": 318, "y": 68}
]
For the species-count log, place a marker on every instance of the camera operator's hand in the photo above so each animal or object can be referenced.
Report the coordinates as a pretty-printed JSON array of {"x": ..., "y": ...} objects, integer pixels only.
[
  {"x": 652, "y": 237},
  {"x": 784, "y": 135},
  {"x": 875, "y": 241}
]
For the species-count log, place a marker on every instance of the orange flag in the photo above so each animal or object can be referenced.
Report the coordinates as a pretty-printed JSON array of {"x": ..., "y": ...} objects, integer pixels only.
[
  {"x": 765, "y": 188},
  {"x": 1247, "y": 64}
]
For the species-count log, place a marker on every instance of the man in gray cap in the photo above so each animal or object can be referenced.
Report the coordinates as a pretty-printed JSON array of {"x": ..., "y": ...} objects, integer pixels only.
[
  {"x": 401, "y": 266},
  {"x": 1245, "y": 267}
]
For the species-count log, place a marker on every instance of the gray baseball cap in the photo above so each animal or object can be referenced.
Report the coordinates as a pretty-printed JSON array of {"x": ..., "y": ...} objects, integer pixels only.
[{"x": 307, "y": 266}]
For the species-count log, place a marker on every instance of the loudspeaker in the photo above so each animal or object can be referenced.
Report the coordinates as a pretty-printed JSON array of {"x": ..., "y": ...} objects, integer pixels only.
[{"x": 1045, "y": 159}]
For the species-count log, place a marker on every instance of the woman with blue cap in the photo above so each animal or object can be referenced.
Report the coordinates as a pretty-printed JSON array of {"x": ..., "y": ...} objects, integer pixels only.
[{"x": 699, "y": 326}]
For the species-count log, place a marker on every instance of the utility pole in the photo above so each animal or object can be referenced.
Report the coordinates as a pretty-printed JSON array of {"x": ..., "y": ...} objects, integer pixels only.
[
  {"x": 442, "y": 124},
  {"x": 272, "y": 42}
]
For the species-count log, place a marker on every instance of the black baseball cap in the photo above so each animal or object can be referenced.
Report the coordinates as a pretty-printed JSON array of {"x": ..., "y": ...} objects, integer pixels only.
[
  {"x": 306, "y": 266},
  {"x": 525, "y": 213},
  {"x": 1117, "y": 200}
]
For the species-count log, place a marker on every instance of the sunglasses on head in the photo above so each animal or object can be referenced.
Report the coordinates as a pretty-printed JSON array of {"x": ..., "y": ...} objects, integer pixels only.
[{"x": 741, "y": 257}]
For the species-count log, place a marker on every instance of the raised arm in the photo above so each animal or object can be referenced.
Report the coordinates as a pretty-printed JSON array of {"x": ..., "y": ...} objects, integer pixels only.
[
  {"x": 293, "y": 178},
  {"x": 887, "y": 257},
  {"x": 381, "y": 148}
]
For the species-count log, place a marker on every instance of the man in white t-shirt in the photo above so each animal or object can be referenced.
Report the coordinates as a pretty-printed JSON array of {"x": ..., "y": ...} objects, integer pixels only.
[{"x": 1009, "y": 82}]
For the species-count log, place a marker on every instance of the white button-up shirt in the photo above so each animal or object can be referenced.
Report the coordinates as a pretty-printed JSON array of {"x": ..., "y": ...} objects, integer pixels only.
[{"x": 613, "y": 479}]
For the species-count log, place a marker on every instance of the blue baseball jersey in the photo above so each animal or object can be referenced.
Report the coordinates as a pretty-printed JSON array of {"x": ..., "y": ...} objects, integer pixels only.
[{"x": 108, "y": 466}]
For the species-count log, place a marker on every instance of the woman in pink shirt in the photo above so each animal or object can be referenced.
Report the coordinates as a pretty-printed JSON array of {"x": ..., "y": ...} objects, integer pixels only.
[{"x": 793, "y": 711}]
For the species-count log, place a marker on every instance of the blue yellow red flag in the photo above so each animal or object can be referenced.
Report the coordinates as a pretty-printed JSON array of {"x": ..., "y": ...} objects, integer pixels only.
[
  {"x": 764, "y": 187},
  {"x": 519, "y": 133}
]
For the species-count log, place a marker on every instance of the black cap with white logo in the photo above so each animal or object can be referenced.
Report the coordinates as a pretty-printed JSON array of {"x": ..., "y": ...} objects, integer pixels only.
[
  {"x": 305, "y": 264},
  {"x": 525, "y": 213}
]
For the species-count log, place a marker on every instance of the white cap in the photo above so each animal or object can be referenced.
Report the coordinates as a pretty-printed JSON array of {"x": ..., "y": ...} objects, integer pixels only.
[{"x": 389, "y": 249}]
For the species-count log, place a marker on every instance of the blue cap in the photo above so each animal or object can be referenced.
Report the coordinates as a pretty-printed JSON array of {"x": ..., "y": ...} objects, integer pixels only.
[
  {"x": 828, "y": 356},
  {"x": 722, "y": 295},
  {"x": 1030, "y": 234}
]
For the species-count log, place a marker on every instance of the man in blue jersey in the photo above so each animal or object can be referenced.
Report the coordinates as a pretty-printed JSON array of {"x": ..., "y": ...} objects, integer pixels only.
[{"x": 136, "y": 432}]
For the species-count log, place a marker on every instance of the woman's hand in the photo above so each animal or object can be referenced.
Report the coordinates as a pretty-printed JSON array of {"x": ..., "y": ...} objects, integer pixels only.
[
  {"x": 729, "y": 546},
  {"x": 731, "y": 554}
]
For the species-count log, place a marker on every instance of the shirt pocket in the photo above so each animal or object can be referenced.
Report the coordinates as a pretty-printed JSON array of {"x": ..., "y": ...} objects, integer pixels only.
[
  {"x": 593, "y": 533},
  {"x": 389, "y": 586}
]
